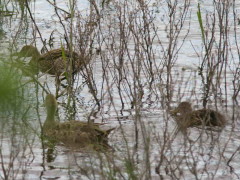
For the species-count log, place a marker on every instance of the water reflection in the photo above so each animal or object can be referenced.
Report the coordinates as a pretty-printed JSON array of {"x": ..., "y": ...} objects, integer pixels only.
[{"x": 149, "y": 57}]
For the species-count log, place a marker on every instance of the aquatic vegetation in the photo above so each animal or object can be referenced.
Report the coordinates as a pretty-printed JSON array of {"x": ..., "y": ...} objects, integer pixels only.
[
  {"x": 148, "y": 55},
  {"x": 11, "y": 89}
]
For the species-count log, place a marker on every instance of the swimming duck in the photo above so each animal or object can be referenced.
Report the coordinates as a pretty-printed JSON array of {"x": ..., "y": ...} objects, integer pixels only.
[
  {"x": 73, "y": 133},
  {"x": 186, "y": 117},
  {"x": 54, "y": 62}
]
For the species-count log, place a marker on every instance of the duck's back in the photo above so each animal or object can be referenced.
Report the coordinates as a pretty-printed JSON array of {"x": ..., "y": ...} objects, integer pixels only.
[
  {"x": 210, "y": 117},
  {"x": 206, "y": 117},
  {"x": 76, "y": 132},
  {"x": 57, "y": 61}
]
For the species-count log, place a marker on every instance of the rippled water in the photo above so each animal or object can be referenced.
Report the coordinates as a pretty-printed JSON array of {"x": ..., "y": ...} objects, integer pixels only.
[{"x": 212, "y": 156}]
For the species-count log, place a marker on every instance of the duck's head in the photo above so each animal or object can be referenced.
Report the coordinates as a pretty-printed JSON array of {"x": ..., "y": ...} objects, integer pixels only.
[
  {"x": 51, "y": 104},
  {"x": 28, "y": 51},
  {"x": 183, "y": 108}
]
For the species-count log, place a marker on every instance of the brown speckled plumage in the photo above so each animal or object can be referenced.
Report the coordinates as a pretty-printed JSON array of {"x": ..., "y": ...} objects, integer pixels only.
[
  {"x": 71, "y": 133},
  {"x": 186, "y": 117},
  {"x": 54, "y": 62}
]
